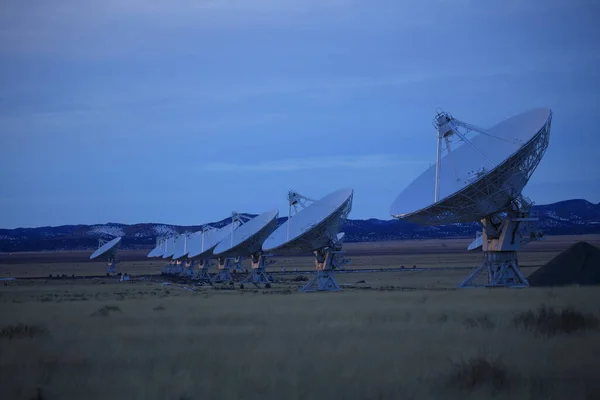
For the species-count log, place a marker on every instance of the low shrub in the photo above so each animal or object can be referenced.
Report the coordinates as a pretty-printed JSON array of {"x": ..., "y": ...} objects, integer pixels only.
[
  {"x": 105, "y": 311},
  {"x": 479, "y": 372},
  {"x": 546, "y": 321},
  {"x": 22, "y": 331},
  {"x": 481, "y": 321}
]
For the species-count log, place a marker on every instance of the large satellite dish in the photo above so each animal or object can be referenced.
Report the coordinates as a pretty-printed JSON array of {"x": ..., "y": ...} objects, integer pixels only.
[
  {"x": 107, "y": 250},
  {"x": 246, "y": 241},
  {"x": 314, "y": 227},
  {"x": 201, "y": 246},
  {"x": 481, "y": 180}
]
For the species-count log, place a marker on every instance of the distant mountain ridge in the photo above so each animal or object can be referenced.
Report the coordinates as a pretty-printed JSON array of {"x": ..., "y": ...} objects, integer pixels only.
[{"x": 569, "y": 217}]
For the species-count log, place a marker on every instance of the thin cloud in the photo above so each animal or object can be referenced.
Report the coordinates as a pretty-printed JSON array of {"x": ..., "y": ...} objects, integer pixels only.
[{"x": 355, "y": 162}]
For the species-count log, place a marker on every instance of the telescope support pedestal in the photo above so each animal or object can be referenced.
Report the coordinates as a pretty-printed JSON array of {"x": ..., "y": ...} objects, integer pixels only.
[
  {"x": 257, "y": 273},
  {"x": 112, "y": 266},
  {"x": 167, "y": 268},
  {"x": 202, "y": 273},
  {"x": 326, "y": 261},
  {"x": 172, "y": 268},
  {"x": 188, "y": 269},
  {"x": 236, "y": 265},
  {"x": 223, "y": 273},
  {"x": 501, "y": 242}
]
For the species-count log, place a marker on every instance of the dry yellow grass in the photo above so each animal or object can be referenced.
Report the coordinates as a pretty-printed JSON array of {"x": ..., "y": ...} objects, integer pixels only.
[
  {"x": 164, "y": 342},
  {"x": 408, "y": 335}
]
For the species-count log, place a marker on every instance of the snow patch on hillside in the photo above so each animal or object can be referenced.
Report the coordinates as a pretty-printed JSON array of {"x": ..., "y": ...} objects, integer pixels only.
[
  {"x": 552, "y": 214},
  {"x": 162, "y": 230},
  {"x": 106, "y": 230}
]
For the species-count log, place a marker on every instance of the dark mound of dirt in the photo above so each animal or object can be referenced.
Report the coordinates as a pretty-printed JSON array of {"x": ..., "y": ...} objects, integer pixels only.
[{"x": 578, "y": 265}]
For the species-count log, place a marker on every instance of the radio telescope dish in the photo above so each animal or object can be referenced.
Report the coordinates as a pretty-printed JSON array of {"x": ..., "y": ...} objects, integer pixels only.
[
  {"x": 248, "y": 238},
  {"x": 182, "y": 265},
  {"x": 314, "y": 228},
  {"x": 477, "y": 243},
  {"x": 481, "y": 180},
  {"x": 108, "y": 251},
  {"x": 159, "y": 249},
  {"x": 247, "y": 241},
  {"x": 202, "y": 245},
  {"x": 182, "y": 248},
  {"x": 170, "y": 247}
]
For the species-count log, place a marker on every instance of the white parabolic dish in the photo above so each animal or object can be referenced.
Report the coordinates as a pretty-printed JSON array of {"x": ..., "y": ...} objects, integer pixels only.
[
  {"x": 108, "y": 249},
  {"x": 169, "y": 247},
  {"x": 248, "y": 238},
  {"x": 157, "y": 251},
  {"x": 515, "y": 150},
  {"x": 313, "y": 227},
  {"x": 182, "y": 246},
  {"x": 200, "y": 249}
]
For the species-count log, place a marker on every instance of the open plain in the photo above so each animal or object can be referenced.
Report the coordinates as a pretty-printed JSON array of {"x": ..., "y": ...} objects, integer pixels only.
[{"x": 406, "y": 334}]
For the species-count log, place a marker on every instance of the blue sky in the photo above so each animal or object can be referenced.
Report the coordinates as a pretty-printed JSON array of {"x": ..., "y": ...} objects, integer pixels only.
[{"x": 182, "y": 111}]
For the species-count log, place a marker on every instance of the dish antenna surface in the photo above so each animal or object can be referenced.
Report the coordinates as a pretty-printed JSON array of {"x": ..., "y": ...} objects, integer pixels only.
[
  {"x": 202, "y": 246},
  {"x": 246, "y": 241},
  {"x": 481, "y": 180},
  {"x": 107, "y": 250},
  {"x": 314, "y": 226},
  {"x": 183, "y": 264},
  {"x": 170, "y": 247},
  {"x": 168, "y": 253},
  {"x": 182, "y": 246},
  {"x": 159, "y": 249}
]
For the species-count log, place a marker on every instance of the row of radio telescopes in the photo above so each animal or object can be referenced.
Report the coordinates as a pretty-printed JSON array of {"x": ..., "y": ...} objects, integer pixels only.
[{"x": 478, "y": 175}]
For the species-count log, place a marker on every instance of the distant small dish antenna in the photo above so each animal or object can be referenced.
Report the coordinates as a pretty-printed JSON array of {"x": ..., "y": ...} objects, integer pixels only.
[
  {"x": 107, "y": 251},
  {"x": 246, "y": 241},
  {"x": 159, "y": 249},
  {"x": 170, "y": 247},
  {"x": 180, "y": 264},
  {"x": 479, "y": 175},
  {"x": 314, "y": 227}
]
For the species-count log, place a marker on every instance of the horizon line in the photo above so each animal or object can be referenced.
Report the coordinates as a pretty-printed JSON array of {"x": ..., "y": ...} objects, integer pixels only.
[{"x": 223, "y": 219}]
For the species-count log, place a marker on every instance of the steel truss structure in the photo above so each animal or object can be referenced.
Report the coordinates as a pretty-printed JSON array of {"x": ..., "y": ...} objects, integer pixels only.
[
  {"x": 501, "y": 241},
  {"x": 489, "y": 190},
  {"x": 328, "y": 258},
  {"x": 223, "y": 274},
  {"x": 258, "y": 274},
  {"x": 498, "y": 190},
  {"x": 202, "y": 273}
]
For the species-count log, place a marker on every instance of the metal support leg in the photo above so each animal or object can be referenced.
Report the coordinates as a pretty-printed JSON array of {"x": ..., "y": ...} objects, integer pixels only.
[
  {"x": 501, "y": 242},
  {"x": 188, "y": 269},
  {"x": 112, "y": 266},
  {"x": 223, "y": 273},
  {"x": 324, "y": 278},
  {"x": 502, "y": 271},
  {"x": 257, "y": 273},
  {"x": 202, "y": 273}
]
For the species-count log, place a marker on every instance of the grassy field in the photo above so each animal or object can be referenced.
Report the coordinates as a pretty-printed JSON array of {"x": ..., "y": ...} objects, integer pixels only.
[{"x": 408, "y": 335}]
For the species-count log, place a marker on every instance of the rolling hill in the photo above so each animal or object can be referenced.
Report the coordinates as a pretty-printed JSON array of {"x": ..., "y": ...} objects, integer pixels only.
[{"x": 570, "y": 217}]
